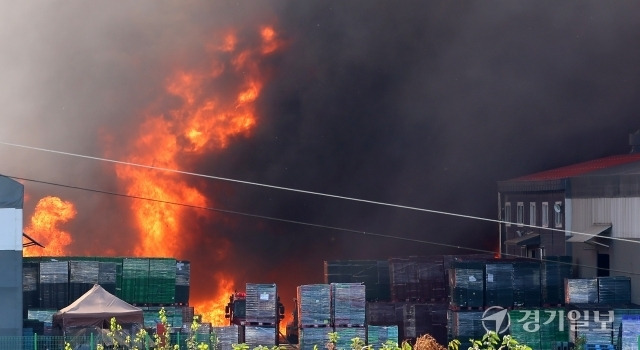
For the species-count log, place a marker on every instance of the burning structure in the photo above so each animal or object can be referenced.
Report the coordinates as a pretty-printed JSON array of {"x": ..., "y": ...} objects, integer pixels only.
[{"x": 185, "y": 123}]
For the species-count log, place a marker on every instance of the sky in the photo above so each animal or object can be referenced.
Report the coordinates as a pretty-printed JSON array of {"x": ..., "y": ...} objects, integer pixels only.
[{"x": 413, "y": 104}]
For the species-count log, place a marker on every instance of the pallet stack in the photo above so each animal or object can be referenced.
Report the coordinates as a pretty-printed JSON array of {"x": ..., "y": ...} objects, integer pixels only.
[
  {"x": 498, "y": 284},
  {"x": 466, "y": 283},
  {"x": 314, "y": 315},
  {"x": 377, "y": 336},
  {"x": 581, "y": 291},
  {"x": 373, "y": 273},
  {"x": 348, "y": 304},
  {"x": 554, "y": 270},
  {"x": 261, "y": 327},
  {"x": 225, "y": 337},
  {"x": 539, "y": 328}
]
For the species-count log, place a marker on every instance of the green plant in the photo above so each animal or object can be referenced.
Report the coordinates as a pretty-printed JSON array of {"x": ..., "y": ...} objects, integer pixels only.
[
  {"x": 390, "y": 345},
  {"x": 491, "y": 341},
  {"x": 163, "y": 341},
  {"x": 333, "y": 340},
  {"x": 141, "y": 337},
  {"x": 358, "y": 344},
  {"x": 115, "y": 329},
  {"x": 214, "y": 340},
  {"x": 193, "y": 330},
  {"x": 454, "y": 344},
  {"x": 240, "y": 346}
]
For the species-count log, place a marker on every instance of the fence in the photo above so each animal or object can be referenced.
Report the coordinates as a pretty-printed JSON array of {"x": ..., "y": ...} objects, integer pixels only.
[
  {"x": 39, "y": 342},
  {"x": 45, "y": 342}
]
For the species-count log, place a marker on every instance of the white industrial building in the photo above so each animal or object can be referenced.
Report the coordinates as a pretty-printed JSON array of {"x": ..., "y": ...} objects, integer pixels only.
[{"x": 589, "y": 210}]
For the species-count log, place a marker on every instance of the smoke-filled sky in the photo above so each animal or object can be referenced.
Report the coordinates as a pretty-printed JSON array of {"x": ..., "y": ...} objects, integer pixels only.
[{"x": 420, "y": 104}]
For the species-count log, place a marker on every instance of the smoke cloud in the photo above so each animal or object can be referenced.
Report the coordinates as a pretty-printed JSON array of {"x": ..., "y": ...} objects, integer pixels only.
[{"x": 417, "y": 104}]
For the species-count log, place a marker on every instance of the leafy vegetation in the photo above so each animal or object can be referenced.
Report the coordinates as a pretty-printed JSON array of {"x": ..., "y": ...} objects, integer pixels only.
[{"x": 490, "y": 341}]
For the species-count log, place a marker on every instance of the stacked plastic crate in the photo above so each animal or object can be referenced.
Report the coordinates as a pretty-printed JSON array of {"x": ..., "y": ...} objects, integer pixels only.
[
  {"x": 377, "y": 336},
  {"x": 135, "y": 280},
  {"x": 381, "y": 313},
  {"x": 348, "y": 304},
  {"x": 465, "y": 325},
  {"x": 261, "y": 314},
  {"x": 529, "y": 334},
  {"x": 618, "y": 314},
  {"x": 498, "y": 284},
  {"x": 554, "y": 271},
  {"x": 83, "y": 275},
  {"x": 162, "y": 281},
  {"x": 614, "y": 290},
  {"x": 431, "y": 279},
  {"x": 225, "y": 337},
  {"x": 203, "y": 333},
  {"x": 539, "y": 328},
  {"x": 553, "y": 328},
  {"x": 581, "y": 291},
  {"x": 438, "y": 321},
  {"x": 183, "y": 276},
  {"x": 314, "y": 315},
  {"x": 592, "y": 322},
  {"x": 527, "y": 291},
  {"x": 592, "y": 313},
  {"x": 107, "y": 275},
  {"x": 466, "y": 283},
  {"x": 416, "y": 320},
  {"x": 30, "y": 286},
  {"x": 630, "y": 331},
  {"x": 403, "y": 280},
  {"x": 373, "y": 273},
  {"x": 151, "y": 315},
  {"x": 54, "y": 283}
]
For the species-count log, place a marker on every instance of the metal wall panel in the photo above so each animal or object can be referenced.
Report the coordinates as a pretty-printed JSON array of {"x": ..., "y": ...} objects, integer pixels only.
[
  {"x": 11, "y": 229},
  {"x": 11, "y": 293},
  {"x": 624, "y": 263},
  {"x": 621, "y": 213}
]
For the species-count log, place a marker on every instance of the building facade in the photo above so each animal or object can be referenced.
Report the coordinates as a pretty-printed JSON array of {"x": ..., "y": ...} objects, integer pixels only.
[
  {"x": 11, "y": 203},
  {"x": 590, "y": 211}
]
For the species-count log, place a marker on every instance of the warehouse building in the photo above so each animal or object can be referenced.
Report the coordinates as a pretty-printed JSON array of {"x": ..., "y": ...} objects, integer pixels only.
[{"x": 589, "y": 211}]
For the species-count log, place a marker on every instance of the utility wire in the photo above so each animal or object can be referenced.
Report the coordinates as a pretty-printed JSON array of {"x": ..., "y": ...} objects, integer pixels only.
[
  {"x": 311, "y": 192},
  {"x": 335, "y": 228}
]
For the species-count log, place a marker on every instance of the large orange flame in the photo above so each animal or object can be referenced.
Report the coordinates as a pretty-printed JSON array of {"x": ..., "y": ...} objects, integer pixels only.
[
  {"x": 213, "y": 310},
  {"x": 50, "y": 212},
  {"x": 201, "y": 122}
]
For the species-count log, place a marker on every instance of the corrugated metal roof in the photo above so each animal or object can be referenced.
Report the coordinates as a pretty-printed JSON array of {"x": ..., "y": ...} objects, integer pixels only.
[
  {"x": 558, "y": 179},
  {"x": 574, "y": 170}
]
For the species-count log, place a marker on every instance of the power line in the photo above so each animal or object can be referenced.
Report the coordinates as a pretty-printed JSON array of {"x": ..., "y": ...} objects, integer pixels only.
[
  {"x": 311, "y": 192},
  {"x": 335, "y": 228}
]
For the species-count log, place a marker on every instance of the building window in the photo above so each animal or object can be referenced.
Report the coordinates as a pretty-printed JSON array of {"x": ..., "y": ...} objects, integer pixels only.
[
  {"x": 520, "y": 214},
  {"x": 557, "y": 210},
  {"x": 507, "y": 214},
  {"x": 532, "y": 213},
  {"x": 545, "y": 214}
]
